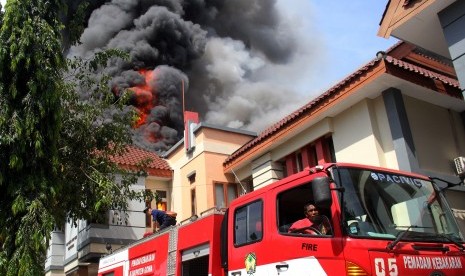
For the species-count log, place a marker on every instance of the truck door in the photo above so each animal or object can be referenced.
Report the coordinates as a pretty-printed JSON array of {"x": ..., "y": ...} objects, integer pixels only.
[
  {"x": 245, "y": 241},
  {"x": 302, "y": 252}
]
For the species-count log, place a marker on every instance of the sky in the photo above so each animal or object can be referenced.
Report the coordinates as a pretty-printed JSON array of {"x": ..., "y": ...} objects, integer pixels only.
[{"x": 348, "y": 32}]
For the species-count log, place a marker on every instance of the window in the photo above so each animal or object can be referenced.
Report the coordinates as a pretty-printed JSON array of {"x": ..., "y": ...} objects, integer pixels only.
[
  {"x": 290, "y": 204},
  {"x": 224, "y": 194},
  {"x": 298, "y": 161},
  {"x": 148, "y": 217},
  {"x": 219, "y": 196},
  {"x": 312, "y": 157},
  {"x": 329, "y": 146},
  {"x": 191, "y": 177},
  {"x": 193, "y": 203},
  {"x": 248, "y": 221},
  {"x": 162, "y": 202},
  {"x": 320, "y": 150}
]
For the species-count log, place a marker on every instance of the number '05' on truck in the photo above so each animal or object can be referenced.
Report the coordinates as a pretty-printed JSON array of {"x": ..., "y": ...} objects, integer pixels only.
[{"x": 377, "y": 222}]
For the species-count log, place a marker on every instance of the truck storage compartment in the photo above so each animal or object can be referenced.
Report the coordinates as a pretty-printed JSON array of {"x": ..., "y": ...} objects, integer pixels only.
[
  {"x": 195, "y": 267},
  {"x": 195, "y": 261}
]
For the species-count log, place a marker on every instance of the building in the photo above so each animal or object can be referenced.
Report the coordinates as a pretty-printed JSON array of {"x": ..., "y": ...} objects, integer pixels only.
[
  {"x": 189, "y": 181},
  {"x": 439, "y": 26},
  {"x": 76, "y": 249},
  {"x": 199, "y": 182},
  {"x": 403, "y": 110},
  {"x": 435, "y": 25}
]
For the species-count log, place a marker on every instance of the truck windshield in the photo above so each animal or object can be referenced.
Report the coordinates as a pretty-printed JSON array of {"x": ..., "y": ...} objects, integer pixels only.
[{"x": 379, "y": 204}]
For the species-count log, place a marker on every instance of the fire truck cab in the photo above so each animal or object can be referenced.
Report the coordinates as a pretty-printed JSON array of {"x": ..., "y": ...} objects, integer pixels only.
[{"x": 383, "y": 222}]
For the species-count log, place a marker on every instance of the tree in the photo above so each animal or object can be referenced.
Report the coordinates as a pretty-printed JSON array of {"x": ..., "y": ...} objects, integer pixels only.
[
  {"x": 1, "y": 14},
  {"x": 59, "y": 126}
]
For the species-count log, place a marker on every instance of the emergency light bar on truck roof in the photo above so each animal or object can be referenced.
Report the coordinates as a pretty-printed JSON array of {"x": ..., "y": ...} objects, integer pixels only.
[{"x": 384, "y": 222}]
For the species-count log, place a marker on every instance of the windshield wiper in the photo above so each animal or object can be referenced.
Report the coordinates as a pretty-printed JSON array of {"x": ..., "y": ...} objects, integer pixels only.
[
  {"x": 459, "y": 245},
  {"x": 401, "y": 234},
  {"x": 449, "y": 184}
]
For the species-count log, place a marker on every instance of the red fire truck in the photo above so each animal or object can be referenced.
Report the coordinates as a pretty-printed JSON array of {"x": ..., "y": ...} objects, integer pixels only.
[{"x": 384, "y": 223}]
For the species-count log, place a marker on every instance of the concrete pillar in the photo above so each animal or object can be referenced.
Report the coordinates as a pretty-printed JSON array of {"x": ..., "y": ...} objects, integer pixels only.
[
  {"x": 265, "y": 171},
  {"x": 400, "y": 130},
  {"x": 452, "y": 21}
]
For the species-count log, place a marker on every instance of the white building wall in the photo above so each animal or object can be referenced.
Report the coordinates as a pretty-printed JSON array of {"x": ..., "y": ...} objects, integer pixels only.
[
  {"x": 361, "y": 134},
  {"x": 358, "y": 137},
  {"x": 437, "y": 135},
  {"x": 67, "y": 247},
  {"x": 384, "y": 134},
  {"x": 55, "y": 253},
  {"x": 71, "y": 233}
]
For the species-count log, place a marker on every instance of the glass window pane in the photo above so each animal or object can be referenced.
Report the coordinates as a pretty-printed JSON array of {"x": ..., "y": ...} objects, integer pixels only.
[
  {"x": 248, "y": 224},
  {"x": 232, "y": 193},
  {"x": 255, "y": 222},
  {"x": 240, "y": 226},
  {"x": 219, "y": 196}
]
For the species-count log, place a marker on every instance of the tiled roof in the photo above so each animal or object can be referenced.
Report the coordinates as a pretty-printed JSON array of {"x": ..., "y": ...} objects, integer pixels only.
[
  {"x": 134, "y": 156},
  {"x": 423, "y": 71},
  {"x": 326, "y": 96}
]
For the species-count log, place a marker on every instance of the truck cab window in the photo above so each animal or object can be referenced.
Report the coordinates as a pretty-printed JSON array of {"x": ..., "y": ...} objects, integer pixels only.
[
  {"x": 248, "y": 221},
  {"x": 291, "y": 204}
]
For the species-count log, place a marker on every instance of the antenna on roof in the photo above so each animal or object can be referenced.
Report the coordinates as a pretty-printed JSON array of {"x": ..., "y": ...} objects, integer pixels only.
[
  {"x": 183, "y": 103},
  {"x": 238, "y": 180}
]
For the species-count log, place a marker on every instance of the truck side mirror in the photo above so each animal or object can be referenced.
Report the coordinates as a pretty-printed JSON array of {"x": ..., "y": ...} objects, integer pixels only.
[{"x": 321, "y": 192}]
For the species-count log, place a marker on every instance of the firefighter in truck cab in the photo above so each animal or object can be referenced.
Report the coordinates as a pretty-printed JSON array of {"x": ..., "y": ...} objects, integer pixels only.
[{"x": 313, "y": 223}]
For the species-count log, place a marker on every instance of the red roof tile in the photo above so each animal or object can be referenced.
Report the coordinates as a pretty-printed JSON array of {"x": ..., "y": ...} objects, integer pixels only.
[
  {"x": 134, "y": 156},
  {"x": 422, "y": 71}
]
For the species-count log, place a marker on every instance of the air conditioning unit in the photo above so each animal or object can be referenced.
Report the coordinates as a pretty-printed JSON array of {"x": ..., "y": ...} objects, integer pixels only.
[{"x": 460, "y": 165}]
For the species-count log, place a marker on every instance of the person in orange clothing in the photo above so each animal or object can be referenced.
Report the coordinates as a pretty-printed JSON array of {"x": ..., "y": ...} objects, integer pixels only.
[{"x": 313, "y": 223}]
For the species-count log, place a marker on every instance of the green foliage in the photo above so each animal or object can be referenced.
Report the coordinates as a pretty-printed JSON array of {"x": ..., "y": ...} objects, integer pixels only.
[
  {"x": 75, "y": 18},
  {"x": 96, "y": 127},
  {"x": 1, "y": 15},
  {"x": 77, "y": 21},
  {"x": 60, "y": 125},
  {"x": 30, "y": 112}
]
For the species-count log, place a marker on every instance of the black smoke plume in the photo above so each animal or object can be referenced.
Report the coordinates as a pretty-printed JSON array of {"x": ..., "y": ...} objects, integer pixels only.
[{"x": 234, "y": 59}]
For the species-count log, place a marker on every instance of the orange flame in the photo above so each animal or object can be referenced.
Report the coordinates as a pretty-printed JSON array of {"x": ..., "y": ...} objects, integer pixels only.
[{"x": 144, "y": 96}]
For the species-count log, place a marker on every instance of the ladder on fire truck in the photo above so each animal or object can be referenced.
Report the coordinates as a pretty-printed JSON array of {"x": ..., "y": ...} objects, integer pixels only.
[{"x": 172, "y": 248}]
